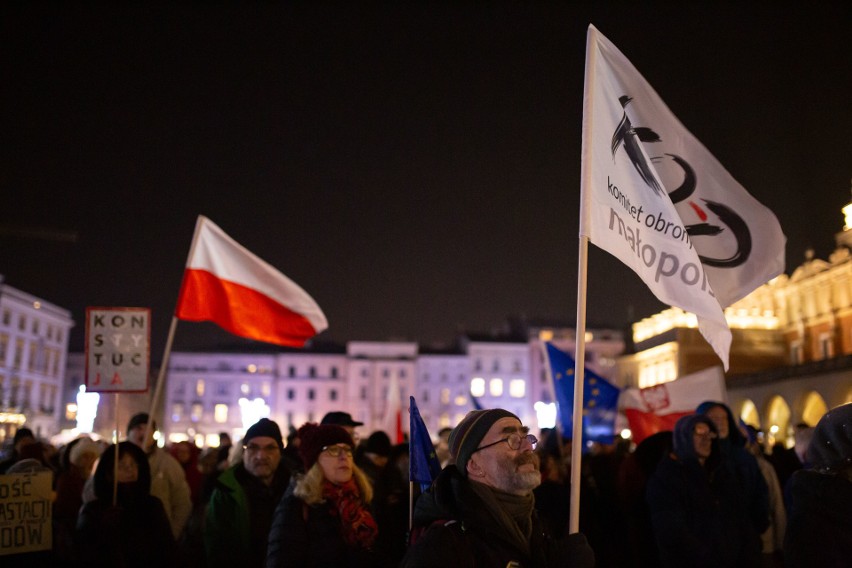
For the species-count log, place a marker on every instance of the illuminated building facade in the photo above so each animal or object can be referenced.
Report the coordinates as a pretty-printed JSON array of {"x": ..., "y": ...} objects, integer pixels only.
[
  {"x": 33, "y": 351},
  {"x": 791, "y": 355}
]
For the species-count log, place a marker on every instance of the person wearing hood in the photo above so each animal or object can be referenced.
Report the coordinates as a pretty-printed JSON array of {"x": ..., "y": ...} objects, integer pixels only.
[
  {"x": 819, "y": 529},
  {"x": 480, "y": 511},
  {"x": 698, "y": 517},
  {"x": 133, "y": 532},
  {"x": 742, "y": 464}
]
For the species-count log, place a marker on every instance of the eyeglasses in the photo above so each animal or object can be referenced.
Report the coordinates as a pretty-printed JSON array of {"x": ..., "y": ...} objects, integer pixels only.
[
  {"x": 704, "y": 434},
  {"x": 335, "y": 451},
  {"x": 514, "y": 441},
  {"x": 254, "y": 448}
]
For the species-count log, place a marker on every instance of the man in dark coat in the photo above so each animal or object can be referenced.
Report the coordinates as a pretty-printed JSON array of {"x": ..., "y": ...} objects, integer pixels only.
[
  {"x": 697, "y": 513},
  {"x": 480, "y": 511},
  {"x": 239, "y": 514}
]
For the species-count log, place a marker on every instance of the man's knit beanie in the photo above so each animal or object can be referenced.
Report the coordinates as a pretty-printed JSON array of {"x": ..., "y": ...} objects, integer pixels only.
[
  {"x": 466, "y": 437},
  {"x": 267, "y": 428}
]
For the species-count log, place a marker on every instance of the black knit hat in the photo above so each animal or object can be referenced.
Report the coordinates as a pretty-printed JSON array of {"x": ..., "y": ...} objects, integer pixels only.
[
  {"x": 313, "y": 438},
  {"x": 466, "y": 437},
  {"x": 140, "y": 418},
  {"x": 264, "y": 427}
]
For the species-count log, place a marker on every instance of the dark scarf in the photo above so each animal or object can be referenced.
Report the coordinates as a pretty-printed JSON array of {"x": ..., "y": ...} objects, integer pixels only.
[
  {"x": 359, "y": 527},
  {"x": 513, "y": 513}
]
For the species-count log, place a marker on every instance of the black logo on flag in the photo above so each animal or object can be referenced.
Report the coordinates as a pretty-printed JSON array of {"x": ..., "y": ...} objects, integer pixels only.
[{"x": 629, "y": 137}]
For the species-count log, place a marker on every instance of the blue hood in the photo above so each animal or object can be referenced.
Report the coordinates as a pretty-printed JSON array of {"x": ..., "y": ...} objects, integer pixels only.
[{"x": 684, "y": 448}]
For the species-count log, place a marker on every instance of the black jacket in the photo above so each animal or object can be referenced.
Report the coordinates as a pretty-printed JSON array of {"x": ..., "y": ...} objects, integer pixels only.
[
  {"x": 453, "y": 527},
  {"x": 819, "y": 531}
]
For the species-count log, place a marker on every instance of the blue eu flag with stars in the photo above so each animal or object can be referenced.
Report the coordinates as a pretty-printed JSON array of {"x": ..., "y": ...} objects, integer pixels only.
[{"x": 600, "y": 398}]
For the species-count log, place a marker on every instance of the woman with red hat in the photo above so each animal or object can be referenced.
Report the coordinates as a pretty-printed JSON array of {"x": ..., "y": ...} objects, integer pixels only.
[{"x": 324, "y": 518}]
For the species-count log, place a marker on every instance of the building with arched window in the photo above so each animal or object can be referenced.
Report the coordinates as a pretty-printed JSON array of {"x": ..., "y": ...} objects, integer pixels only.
[{"x": 791, "y": 355}]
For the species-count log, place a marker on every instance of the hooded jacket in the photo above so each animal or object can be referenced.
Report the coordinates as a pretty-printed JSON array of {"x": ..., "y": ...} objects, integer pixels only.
[
  {"x": 745, "y": 469},
  {"x": 696, "y": 512},
  {"x": 819, "y": 532},
  {"x": 459, "y": 530}
]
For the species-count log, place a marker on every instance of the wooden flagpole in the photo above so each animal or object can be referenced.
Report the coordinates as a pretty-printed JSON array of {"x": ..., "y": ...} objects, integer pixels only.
[
  {"x": 169, "y": 340},
  {"x": 582, "y": 271},
  {"x": 579, "y": 367}
]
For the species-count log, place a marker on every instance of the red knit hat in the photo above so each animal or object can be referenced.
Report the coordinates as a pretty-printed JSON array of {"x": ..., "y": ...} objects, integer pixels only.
[{"x": 313, "y": 438}]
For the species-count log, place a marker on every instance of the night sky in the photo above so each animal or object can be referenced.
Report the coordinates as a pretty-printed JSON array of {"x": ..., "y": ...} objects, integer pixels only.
[{"x": 415, "y": 168}]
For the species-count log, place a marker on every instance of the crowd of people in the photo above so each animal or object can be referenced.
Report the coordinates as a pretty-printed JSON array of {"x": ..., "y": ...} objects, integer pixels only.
[{"x": 705, "y": 494}]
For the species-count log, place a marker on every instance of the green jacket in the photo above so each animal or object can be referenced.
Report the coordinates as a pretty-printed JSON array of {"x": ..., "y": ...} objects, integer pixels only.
[{"x": 226, "y": 528}]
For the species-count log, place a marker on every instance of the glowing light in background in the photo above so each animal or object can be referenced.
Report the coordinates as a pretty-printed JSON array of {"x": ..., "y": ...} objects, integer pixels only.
[
  {"x": 87, "y": 409},
  {"x": 545, "y": 413},
  {"x": 252, "y": 410}
]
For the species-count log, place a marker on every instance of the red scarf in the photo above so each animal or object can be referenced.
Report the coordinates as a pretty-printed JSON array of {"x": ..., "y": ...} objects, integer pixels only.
[{"x": 359, "y": 527}]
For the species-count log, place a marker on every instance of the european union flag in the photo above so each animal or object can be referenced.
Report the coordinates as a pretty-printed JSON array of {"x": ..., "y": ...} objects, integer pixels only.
[
  {"x": 600, "y": 398},
  {"x": 423, "y": 464}
]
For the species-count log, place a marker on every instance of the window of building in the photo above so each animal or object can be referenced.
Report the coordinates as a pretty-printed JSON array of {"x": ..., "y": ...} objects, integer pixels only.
[
  {"x": 32, "y": 360},
  {"x": 517, "y": 388},
  {"x": 445, "y": 396},
  {"x": 177, "y": 412},
  {"x": 495, "y": 387},
  {"x": 197, "y": 412},
  {"x": 363, "y": 393},
  {"x": 311, "y": 394},
  {"x": 386, "y": 372},
  {"x": 35, "y": 326},
  {"x": 402, "y": 373},
  {"x": 797, "y": 355},
  {"x": 59, "y": 335},
  {"x": 22, "y": 323},
  {"x": 291, "y": 371},
  {"x": 365, "y": 372},
  {"x": 19, "y": 354},
  {"x": 199, "y": 387},
  {"x": 334, "y": 372},
  {"x": 265, "y": 389},
  {"x": 14, "y": 385},
  {"x": 7, "y": 317},
  {"x": 477, "y": 386},
  {"x": 223, "y": 388},
  {"x": 332, "y": 395},
  {"x": 49, "y": 331},
  {"x": 825, "y": 347},
  {"x": 220, "y": 413},
  {"x": 4, "y": 345},
  {"x": 291, "y": 394},
  {"x": 425, "y": 396},
  {"x": 516, "y": 366},
  {"x": 496, "y": 367},
  {"x": 245, "y": 389}
]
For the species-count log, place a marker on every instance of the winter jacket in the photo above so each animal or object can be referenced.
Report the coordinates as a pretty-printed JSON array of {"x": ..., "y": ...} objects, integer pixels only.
[
  {"x": 168, "y": 484},
  {"x": 311, "y": 537},
  {"x": 819, "y": 529},
  {"x": 239, "y": 516},
  {"x": 457, "y": 529},
  {"x": 697, "y": 511}
]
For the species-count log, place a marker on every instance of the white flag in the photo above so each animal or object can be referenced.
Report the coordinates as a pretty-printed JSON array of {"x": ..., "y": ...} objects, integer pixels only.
[{"x": 656, "y": 199}]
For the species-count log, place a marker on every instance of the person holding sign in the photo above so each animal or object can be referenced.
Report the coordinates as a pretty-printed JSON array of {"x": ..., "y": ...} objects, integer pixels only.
[{"x": 133, "y": 532}]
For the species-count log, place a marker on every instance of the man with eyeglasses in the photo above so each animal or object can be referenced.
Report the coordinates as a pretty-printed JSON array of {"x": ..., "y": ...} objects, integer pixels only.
[
  {"x": 481, "y": 510},
  {"x": 698, "y": 513},
  {"x": 239, "y": 514}
]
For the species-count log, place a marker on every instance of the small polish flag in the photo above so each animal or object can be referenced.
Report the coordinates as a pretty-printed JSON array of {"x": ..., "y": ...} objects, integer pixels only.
[
  {"x": 657, "y": 408},
  {"x": 229, "y": 285}
]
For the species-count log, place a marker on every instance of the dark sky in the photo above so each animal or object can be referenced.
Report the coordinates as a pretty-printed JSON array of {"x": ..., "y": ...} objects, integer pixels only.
[{"x": 415, "y": 168}]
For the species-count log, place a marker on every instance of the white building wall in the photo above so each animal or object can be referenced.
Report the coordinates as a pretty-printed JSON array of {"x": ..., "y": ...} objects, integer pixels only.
[{"x": 33, "y": 350}]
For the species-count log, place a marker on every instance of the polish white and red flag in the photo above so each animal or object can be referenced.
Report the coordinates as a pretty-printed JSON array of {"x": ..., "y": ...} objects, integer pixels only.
[
  {"x": 227, "y": 284},
  {"x": 657, "y": 408},
  {"x": 392, "y": 423}
]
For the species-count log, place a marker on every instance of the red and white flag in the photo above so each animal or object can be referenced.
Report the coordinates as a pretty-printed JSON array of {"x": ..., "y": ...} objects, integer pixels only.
[
  {"x": 392, "y": 423},
  {"x": 229, "y": 285},
  {"x": 657, "y": 408},
  {"x": 655, "y": 198}
]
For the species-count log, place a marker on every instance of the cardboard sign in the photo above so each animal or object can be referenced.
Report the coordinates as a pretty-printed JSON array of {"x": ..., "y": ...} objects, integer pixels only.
[
  {"x": 25, "y": 512},
  {"x": 117, "y": 349}
]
